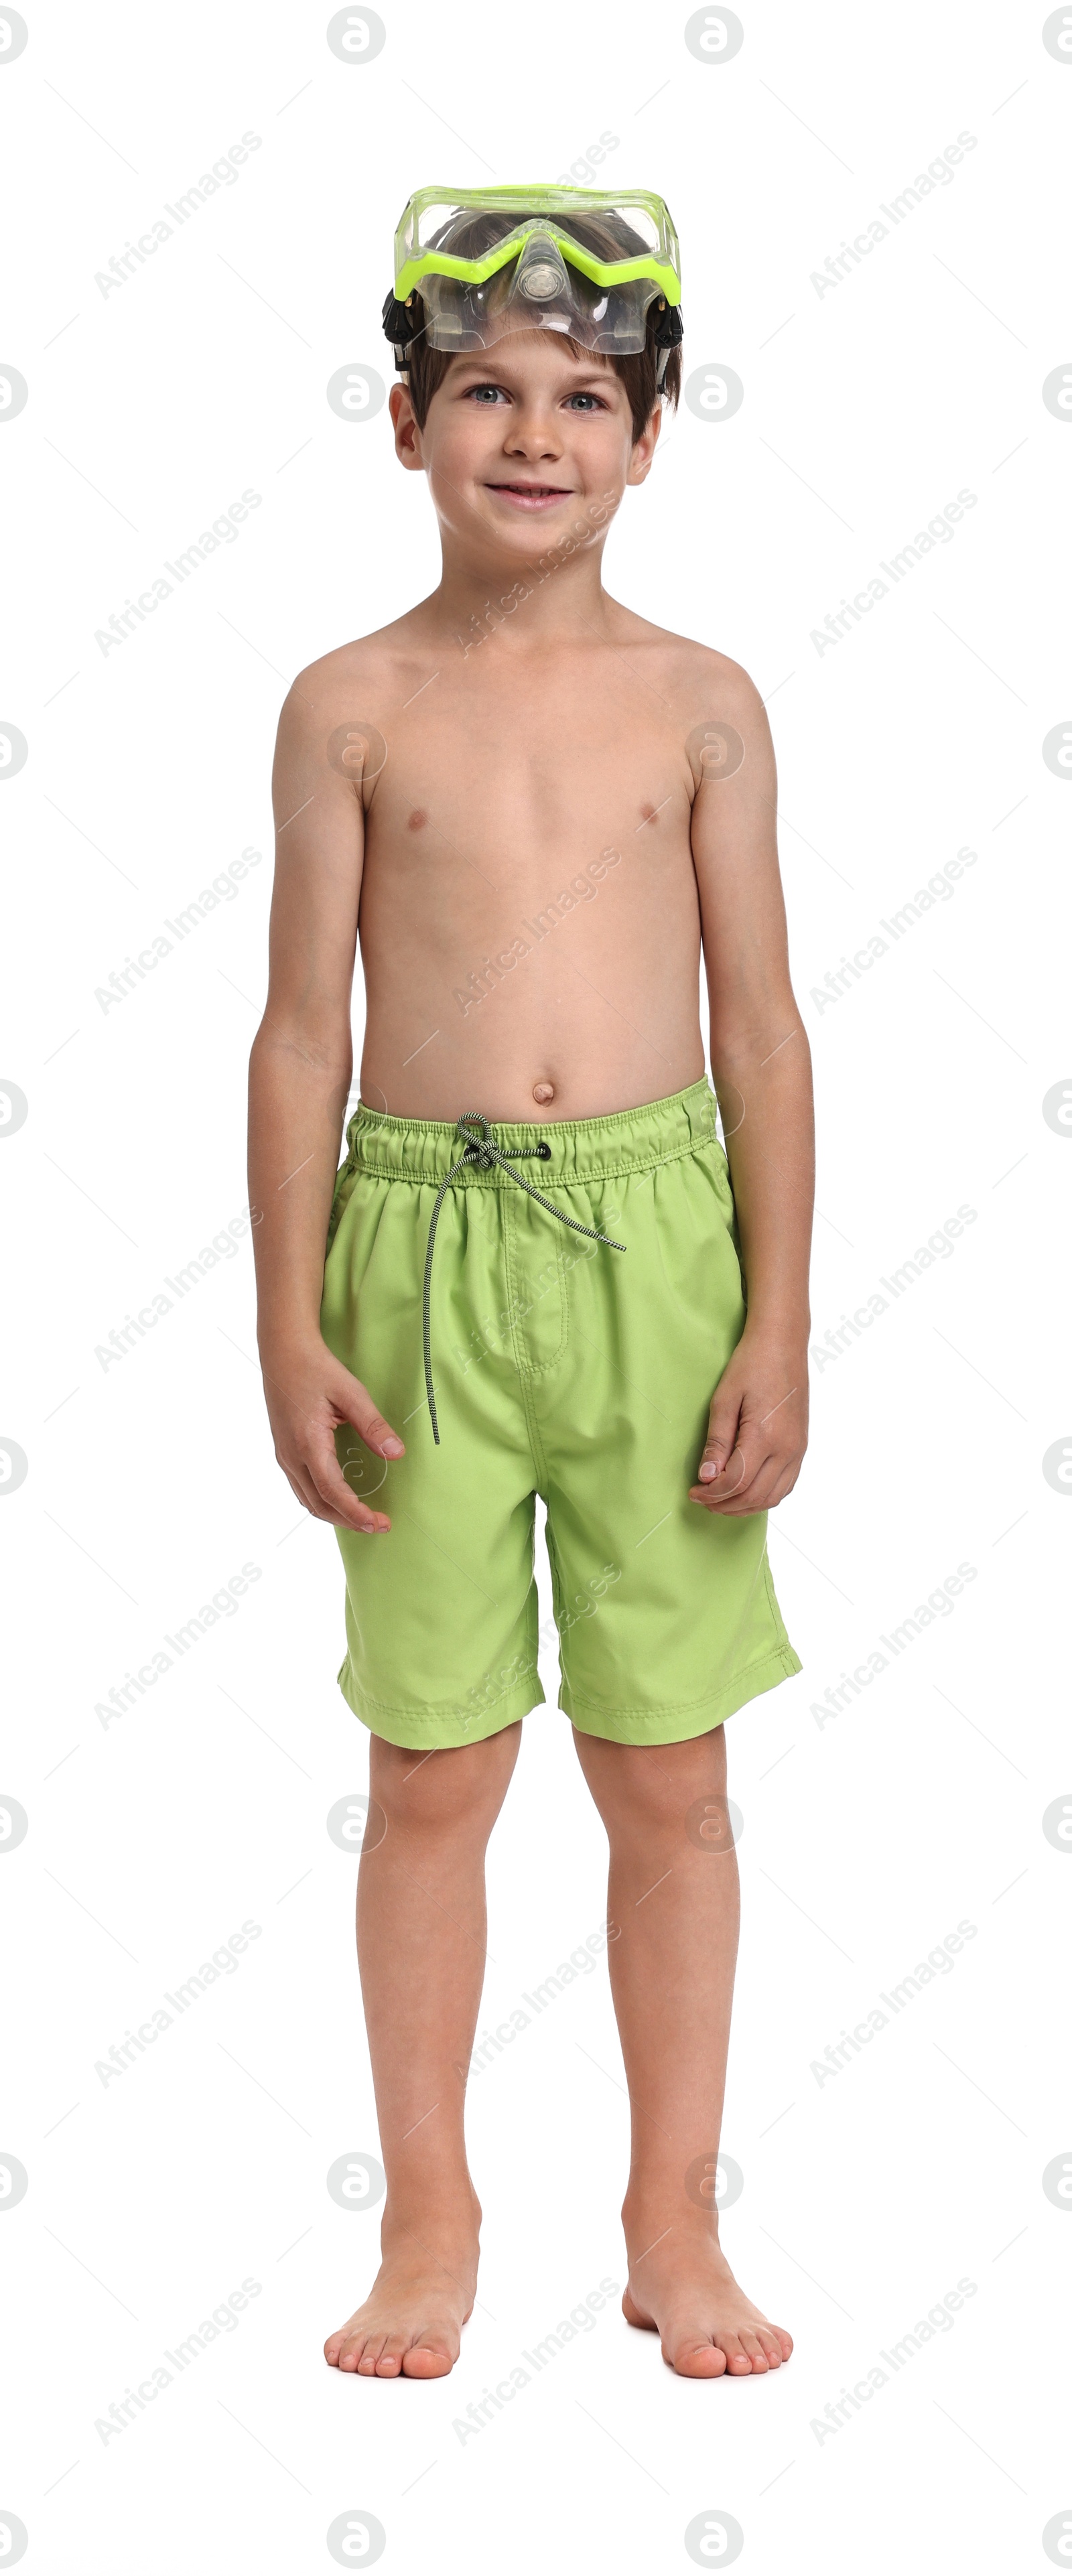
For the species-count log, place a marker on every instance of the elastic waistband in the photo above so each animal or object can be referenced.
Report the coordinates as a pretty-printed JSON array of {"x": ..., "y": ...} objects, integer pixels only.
[{"x": 632, "y": 1140}]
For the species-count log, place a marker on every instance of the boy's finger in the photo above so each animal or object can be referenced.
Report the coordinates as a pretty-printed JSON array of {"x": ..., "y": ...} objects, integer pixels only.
[
  {"x": 736, "y": 1484},
  {"x": 335, "y": 1499},
  {"x": 723, "y": 1469},
  {"x": 303, "y": 1487},
  {"x": 726, "y": 1507},
  {"x": 366, "y": 1418},
  {"x": 346, "y": 1512},
  {"x": 348, "y": 1515},
  {"x": 719, "y": 1445}
]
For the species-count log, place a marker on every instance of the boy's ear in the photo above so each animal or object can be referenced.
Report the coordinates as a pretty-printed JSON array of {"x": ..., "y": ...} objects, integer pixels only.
[
  {"x": 407, "y": 434},
  {"x": 644, "y": 447}
]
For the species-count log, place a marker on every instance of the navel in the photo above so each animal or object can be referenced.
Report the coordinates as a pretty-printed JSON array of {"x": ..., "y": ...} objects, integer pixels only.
[{"x": 543, "y": 1092}]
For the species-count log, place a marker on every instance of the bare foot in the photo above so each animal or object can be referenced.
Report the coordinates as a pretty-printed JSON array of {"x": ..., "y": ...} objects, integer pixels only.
[
  {"x": 684, "y": 2291},
  {"x": 411, "y": 2323}
]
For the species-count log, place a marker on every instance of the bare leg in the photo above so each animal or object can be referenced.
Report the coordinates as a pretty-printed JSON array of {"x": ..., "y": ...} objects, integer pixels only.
[
  {"x": 421, "y": 1937},
  {"x": 674, "y": 1908}
]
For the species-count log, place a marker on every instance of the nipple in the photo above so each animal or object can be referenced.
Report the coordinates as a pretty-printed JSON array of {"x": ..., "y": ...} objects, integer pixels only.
[{"x": 543, "y": 1092}]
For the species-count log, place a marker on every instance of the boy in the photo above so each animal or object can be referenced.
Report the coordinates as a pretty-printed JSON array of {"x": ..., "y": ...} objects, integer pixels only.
[{"x": 535, "y": 806}]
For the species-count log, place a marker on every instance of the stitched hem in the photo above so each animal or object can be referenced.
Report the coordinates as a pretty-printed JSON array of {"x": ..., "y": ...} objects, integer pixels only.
[
  {"x": 424, "y": 1730},
  {"x": 673, "y": 1725}
]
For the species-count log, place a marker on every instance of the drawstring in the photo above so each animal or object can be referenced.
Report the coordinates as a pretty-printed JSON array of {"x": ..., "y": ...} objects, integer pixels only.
[{"x": 480, "y": 1147}]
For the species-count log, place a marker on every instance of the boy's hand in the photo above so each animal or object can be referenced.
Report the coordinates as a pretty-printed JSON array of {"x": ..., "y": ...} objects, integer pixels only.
[
  {"x": 308, "y": 1394},
  {"x": 758, "y": 1429}
]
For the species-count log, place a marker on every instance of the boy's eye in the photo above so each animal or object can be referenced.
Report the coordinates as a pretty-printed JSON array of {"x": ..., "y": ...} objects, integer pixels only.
[{"x": 489, "y": 395}]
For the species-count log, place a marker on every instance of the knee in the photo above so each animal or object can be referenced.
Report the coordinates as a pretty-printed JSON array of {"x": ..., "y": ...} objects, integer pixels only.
[
  {"x": 455, "y": 1791},
  {"x": 661, "y": 1788}
]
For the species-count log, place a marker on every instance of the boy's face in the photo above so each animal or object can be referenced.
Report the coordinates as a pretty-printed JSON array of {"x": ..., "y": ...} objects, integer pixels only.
[{"x": 519, "y": 439}]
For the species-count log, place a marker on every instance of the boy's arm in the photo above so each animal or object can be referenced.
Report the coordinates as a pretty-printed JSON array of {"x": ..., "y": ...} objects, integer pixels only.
[
  {"x": 299, "y": 1082},
  {"x": 761, "y": 1068}
]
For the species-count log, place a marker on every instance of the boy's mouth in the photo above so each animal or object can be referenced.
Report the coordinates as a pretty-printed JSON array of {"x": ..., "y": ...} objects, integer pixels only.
[{"x": 531, "y": 496}]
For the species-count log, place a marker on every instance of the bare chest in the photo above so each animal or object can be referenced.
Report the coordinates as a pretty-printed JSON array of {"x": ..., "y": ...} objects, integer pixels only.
[{"x": 513, "y": 784}]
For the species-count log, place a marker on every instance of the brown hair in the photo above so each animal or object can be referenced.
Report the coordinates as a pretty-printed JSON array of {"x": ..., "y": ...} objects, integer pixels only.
[{"x": 606, "y": 234}]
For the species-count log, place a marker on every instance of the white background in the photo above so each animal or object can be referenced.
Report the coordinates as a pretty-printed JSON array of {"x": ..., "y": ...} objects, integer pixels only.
[{"x": 867, "y": 1837}]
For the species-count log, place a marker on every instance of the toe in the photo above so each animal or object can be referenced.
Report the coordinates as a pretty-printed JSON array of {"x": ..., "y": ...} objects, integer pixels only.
[
  {"x": 737, "y": 2361},
  {"x": 390, "y": 2360},
  {"x": 351, "y": 2347},
  {"x": 771, "y": 2346},
  {"x": 430, "y": 2357},
  {"x": 754, "y": 2349},
  {"x": 374, "y": 2344},
  {"x": 696, "y": 2357},
  {"x": 785, "y": 2340}
]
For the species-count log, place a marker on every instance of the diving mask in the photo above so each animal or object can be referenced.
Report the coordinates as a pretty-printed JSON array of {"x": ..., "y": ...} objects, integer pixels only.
[{"x": 474, "y": 264}]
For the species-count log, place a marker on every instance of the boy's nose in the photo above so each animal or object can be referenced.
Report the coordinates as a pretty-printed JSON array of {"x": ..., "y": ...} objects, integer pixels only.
[{"x": 534, "y": 433}]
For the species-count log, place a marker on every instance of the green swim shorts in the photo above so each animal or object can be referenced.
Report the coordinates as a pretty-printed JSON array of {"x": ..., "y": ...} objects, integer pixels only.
[{"x": 562, "y": 1368}]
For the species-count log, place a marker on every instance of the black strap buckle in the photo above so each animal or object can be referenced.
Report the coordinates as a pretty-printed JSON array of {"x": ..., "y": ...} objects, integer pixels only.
[{"x": 401, "y": 325}]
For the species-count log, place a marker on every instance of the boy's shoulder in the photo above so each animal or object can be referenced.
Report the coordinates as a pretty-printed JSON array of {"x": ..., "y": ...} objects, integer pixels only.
[
  {"x": 384, "y": 663},
  {"x": 697, "y": 676}
]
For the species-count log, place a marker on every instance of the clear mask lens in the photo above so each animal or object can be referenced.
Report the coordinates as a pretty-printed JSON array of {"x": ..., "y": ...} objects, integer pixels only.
[{"x": 537, "y": 295}]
